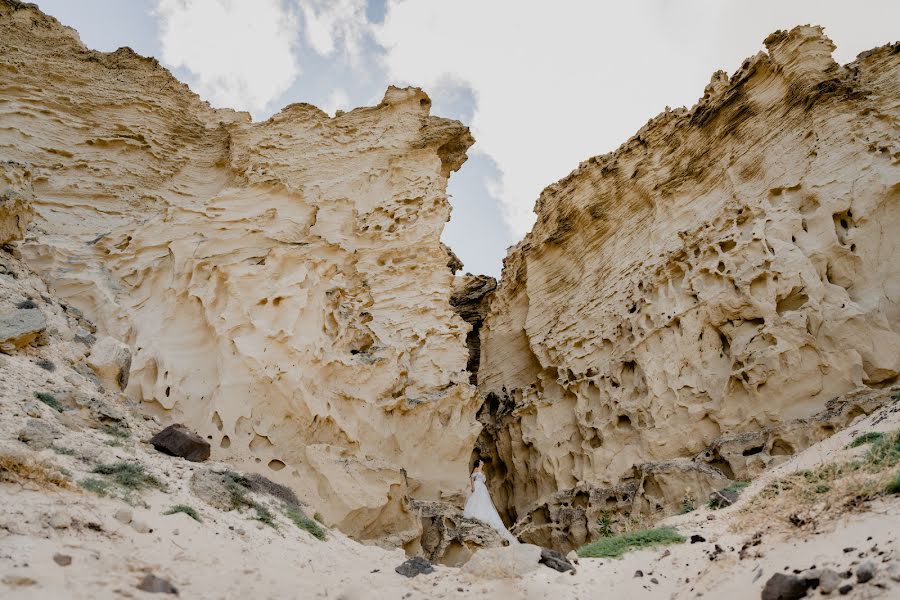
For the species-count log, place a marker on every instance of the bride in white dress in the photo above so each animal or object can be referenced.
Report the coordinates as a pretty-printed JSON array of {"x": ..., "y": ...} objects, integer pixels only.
[{"x": 479, "y": 505}]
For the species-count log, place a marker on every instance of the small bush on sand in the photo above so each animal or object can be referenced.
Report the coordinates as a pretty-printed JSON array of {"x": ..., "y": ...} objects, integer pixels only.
[
  {"x": 264, "y": 515},
  {"x": 687, "y": 503},
  {"x": 604, "y": 525},
  {"x": 129, "y": 475},
  {"x": 893, "y": 485},
  {"x": 115, "y": 431},
  {"x": 98, "y": 486},
  {"x": 865, "y": 438},
  {"x": 50, "y": 400},
  {"x": 613, "y": 547},
  {"x": 19, "y": 470},
  {"x": 304, "y": 522},
  {"x": 184, "y": 508},
  {"x": 62, "y": 450},
  {"x": 884, "y": 452}
]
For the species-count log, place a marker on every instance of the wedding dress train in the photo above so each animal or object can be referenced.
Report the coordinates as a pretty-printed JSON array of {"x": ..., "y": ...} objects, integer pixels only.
[{"x": 479, "y": 506}]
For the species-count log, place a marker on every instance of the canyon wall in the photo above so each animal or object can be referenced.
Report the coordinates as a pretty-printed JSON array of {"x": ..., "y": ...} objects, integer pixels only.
[
  {"x": 281, "y": 285},
  {"x": 729, "y": 270}
]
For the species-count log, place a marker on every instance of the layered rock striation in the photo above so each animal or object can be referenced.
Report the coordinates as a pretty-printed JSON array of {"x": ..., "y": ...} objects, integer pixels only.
[
  {"x": 280, "y": 285},
  {"x": 732, "y": 267}
]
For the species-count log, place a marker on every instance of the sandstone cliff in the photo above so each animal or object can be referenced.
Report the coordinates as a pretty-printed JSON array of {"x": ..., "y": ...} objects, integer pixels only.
[
  {"x": 281, "y": 285},
  {"x": 729, "y": 269}
]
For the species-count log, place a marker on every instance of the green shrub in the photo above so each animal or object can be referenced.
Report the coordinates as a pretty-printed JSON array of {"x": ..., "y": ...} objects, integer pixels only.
[
  {"x": 893, "y": 486},
  {"x": 264, "y": 515},
  {"x": 184, "y": 508},
  {"x": 116, "y": 431},
  {"x": 613, "y": 547},
  {"x": 884, "y": 452},
  {"x": 50, "y": 400},
  {"x": 865, "y": 438},
  {"x": 98, "y": 486},
  {"x": 304, "y": 522},
  {"x": 687, "y": 503},
  {"x": 130, "y": 475},
  {"x": 61, "y": 450},
  {"x": 604, "y": 525}
]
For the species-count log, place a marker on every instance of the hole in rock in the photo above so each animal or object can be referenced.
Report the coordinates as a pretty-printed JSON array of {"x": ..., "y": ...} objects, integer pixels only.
[
  {"x": 225, "y": 442},
  {"x": 217, "y": 420},
  {"x": 276, "y": 465},
  {"x": 794, "y": 300},
  {"x": 781, "y": 448},
  {"x": 623, "y": 421},
  {"x": 752, "y": 451},
  {"x": 168, "y": 390},
  {"x": 724, "y": 467}
]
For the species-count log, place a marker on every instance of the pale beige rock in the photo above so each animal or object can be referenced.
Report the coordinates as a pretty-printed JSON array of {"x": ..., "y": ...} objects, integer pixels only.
[
  {"x": 511, "y": 561},
  {"x": 733, "y": 266},
  {"x": 111, "y": 361},
  {"x": 16, "y": 196},
  {"x": 281, "y": 285}
]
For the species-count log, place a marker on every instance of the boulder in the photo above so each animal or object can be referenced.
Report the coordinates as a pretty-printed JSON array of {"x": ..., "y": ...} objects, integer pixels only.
[
  {"x": 178, "y": 440},
  {"x": 415, "y": 566},
  {"x": 556, "y": 560},
  {"x": 21, "y": 326},
  {"x": 507, "y": 562},
  {"x": 156, "y": 585},
  {"x": 784, "y": 587},
  {"x": 110, "y": 359}
]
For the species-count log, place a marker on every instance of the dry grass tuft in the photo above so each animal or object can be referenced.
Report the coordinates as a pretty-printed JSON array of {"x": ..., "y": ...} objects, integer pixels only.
[
  {"x": 14, "y": 469},
  {"x": 808, "y": 498}
]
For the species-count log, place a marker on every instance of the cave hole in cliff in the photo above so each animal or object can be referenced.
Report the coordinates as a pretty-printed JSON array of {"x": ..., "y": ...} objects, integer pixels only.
[
  {"x": 276, "y": 465},
  {"x": 724, "y": 467},
  {"x": 781, "y": 448},
  {"x": 225, "y": 442},
  {"x": 623, "y": 422},
  {"x": 168, "y": 390},
  {"x": 752, "y": 451},
  {"x": 217, "y": 420}
]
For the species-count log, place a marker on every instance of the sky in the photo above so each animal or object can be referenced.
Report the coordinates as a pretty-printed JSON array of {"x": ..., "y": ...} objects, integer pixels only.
[{"x": 543, "y": 85}]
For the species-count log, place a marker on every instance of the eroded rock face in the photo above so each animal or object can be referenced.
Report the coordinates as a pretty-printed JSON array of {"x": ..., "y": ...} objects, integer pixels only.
[
  {"x": 470, "y": 299},
  {"x": 731, "y": 268},
  {"x": 448, "y": 537},
  {"x": 15, "y": 201},
  {"x": 281, "y": 285}
]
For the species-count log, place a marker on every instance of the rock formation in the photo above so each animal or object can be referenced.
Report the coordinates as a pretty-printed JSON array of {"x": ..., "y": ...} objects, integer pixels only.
[
  {"x": 731, "y": 268},
  {"x": 281, "y": 285}
]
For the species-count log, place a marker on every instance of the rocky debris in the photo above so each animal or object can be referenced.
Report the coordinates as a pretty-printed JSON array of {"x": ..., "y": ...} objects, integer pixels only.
[
  {"x": 448, "y": 537},
  {"x": 156, "y": 585},
  {"x": 505, "y": 562},
  {"x": 415, "y": 566},
  {"x": 85, "y": 337},
  {"x": 124, "y": 516},
  {"x": 784, "y": 587},
  {"x": 38, "y": 434},
  {"x": 178, "y": 440},
  {"x": 60, "y": 520},
  {"x": 63, "y": 560},
  {"x": 865, "y": 571},
  {"x": 696, "y": 539},
  {"x": 110, "y": 359},
  {"x": 19, "y": 327},
  {"x": 556, "y": 561}
]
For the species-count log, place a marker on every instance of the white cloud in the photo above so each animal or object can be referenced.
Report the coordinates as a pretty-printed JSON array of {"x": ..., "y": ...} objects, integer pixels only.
[
  {"x": 241, "y": 53},
  {"x": 557, "y": 84},
  {"x": 337, "y": 100},
  {"x": 332, "y": 22}
]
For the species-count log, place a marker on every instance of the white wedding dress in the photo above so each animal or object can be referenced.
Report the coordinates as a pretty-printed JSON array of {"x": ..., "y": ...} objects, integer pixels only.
[{"x": 479, "y": 506}]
